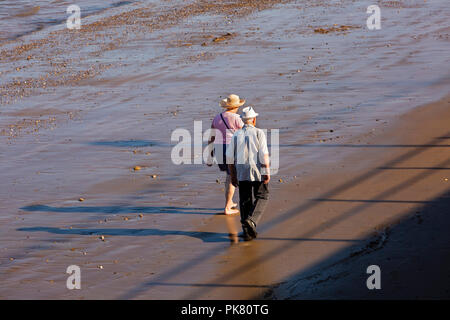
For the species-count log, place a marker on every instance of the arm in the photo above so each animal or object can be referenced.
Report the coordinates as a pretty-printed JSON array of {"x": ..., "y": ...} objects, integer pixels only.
[
  {"x": 266, "y": 171},
  {"x": 240, "y": 123},
  {"x": 233, "y": 174},
  {"x": 265, "y": 161},
  {"x": 211, "y": 140},
  {"x": 212, "y": 137}
]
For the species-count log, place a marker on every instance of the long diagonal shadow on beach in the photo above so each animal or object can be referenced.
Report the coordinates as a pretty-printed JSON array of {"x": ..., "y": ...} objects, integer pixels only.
[
  {"x": 124, "y": 209},
  {"x": 375, "y": 201},
  {"x": 204, "y": 236},
  {"x": 382, "y": 146},
  {"x": 129, "y": 143},
  {"x": 214, "y": 285},
  {"x": 418, "y": 149}
]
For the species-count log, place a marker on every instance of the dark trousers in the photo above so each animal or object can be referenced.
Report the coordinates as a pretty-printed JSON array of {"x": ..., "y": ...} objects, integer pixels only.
[{"x": 249, "y": 207}]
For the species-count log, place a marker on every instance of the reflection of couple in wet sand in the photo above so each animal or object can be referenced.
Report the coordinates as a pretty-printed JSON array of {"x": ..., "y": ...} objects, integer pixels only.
[{"x": 241, "y": 151}]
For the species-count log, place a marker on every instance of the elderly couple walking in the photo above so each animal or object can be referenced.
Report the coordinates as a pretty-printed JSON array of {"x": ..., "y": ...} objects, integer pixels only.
[{"x": 241, "y": 151}]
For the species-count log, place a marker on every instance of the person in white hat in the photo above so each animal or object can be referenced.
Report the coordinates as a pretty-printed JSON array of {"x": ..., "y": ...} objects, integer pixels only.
[
  {"x": 226, "y": 123},
  {"x": 248, "y": 162}
]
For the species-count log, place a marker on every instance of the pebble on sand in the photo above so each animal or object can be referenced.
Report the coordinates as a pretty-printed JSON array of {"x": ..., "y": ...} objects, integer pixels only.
[
  {"x": 137, "y": 168},
  {"x": 81, "y": 199},
  {"x": 223, "y": 37},
  {"x": 100, "y": 267}
]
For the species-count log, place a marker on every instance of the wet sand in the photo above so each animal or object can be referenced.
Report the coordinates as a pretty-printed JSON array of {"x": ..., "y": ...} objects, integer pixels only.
[
  {"x": 385, "y": 204},
  {"x": 81, "y": 109}
]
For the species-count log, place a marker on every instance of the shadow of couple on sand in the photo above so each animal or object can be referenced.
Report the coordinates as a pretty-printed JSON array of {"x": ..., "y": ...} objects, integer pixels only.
[
  {"x": 124, "y": 209},
  {"x": 202, "y": 235},
  {"x": 205, "y": 236}
]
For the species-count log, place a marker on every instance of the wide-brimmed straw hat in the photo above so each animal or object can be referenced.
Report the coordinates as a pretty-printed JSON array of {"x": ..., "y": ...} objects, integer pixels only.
[
  {"x": 233, "y": 101},
  {"x": 248, "y": 113}
]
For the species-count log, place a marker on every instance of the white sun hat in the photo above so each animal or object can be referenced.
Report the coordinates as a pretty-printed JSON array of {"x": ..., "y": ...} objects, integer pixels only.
[
  {"x": 248, "y": 113},
  {"x": 233, "y": 101}
]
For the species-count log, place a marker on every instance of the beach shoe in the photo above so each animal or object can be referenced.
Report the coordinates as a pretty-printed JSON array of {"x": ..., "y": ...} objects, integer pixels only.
[{"x": 251, "y": 228}]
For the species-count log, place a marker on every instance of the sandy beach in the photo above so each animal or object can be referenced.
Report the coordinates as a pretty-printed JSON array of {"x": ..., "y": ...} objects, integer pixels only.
[{"x": 364, "y": 175}]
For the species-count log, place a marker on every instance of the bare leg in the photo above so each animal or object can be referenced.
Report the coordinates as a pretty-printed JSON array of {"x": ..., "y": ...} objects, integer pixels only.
[{"x": 229, "y": 192}]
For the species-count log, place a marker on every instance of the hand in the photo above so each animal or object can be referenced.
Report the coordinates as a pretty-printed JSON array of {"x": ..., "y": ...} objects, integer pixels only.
[
  {"x": 266, "y": 178},
  {"x": 210, "y": 160}
]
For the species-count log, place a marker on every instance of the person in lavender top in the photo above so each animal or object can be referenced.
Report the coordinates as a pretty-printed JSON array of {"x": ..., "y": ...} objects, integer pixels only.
[{"x": 225, "y": 124}]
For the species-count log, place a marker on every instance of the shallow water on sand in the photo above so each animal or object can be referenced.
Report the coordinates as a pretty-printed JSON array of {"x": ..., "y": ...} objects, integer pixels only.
[
  {"x": 18, "y": 18},
  {"x": 147, "y": 77}
]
